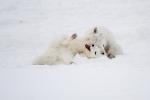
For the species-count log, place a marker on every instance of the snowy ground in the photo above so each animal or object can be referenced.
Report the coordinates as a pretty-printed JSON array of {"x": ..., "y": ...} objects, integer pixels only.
[{"x": 28, "y": 26}]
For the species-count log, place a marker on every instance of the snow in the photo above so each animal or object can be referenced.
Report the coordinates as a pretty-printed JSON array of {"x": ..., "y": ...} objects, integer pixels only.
[{"x": 28, "y": 26}]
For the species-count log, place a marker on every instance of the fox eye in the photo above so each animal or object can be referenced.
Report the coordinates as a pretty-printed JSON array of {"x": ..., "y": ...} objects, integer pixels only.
[
  {"x": 95, "y": 52},
  {"x": 102, "y": 53},
  {"x": 92, "y": 45}
]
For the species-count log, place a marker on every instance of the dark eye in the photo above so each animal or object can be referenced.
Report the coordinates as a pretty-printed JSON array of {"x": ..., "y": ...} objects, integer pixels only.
[
  {"x": 102, "y": 53},
  {"x": 95, "y": 52},
  {"x": 92, "y": 45}
]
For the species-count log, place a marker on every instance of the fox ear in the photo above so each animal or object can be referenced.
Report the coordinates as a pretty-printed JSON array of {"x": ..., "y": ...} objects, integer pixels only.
[
  {"x": 87, "y": 47},
  {"x": 95, "y": 30},
  {"x": 74, "y": 36}
]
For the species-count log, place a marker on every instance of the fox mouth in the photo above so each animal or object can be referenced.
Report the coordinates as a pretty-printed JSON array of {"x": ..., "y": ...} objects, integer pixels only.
[{"x": 87, "y": 47}]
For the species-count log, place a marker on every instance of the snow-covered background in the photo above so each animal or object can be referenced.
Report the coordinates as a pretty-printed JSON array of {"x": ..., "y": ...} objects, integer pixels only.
[{"x": 28, "y": 26}]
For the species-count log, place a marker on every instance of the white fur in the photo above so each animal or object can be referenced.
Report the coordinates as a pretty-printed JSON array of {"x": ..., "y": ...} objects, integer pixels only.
[
  {"x": 64, "y": 50},
  {"x": 59, "y": 52},
  {"x": 101, "y": 36}
]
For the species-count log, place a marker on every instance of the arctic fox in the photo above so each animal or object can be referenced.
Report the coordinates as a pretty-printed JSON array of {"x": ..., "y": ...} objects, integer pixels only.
[
  {"x": 104, "y": 39},
  {"x": 64, "y": 50}
]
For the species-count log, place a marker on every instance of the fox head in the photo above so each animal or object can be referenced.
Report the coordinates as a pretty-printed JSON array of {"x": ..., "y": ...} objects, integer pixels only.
[{"x": 92, "y": 51}]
